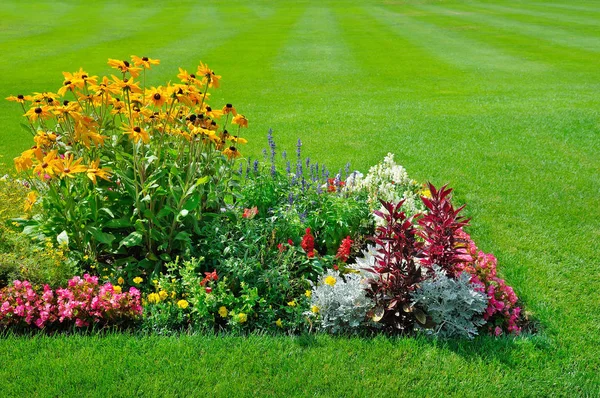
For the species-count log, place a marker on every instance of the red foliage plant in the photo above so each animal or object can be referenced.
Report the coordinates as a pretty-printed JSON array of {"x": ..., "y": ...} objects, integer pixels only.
[
  {"x": 440, "y": 230},
  {"x": 397, "y": 272}
]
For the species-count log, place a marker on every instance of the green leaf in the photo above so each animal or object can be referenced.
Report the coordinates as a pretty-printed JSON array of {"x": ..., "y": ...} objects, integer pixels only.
[
  {"x": 202, "y": 180},
  {"x": 182, "y": 236},
  {"x": 102, "y": 237},
  {"x": 133, "y": 239},
  {"x": 108, "y": 211},
  {"x": 164, "y": 212},
  {"x": 192, "y": 202},
  {"x": 119, "y": 223}
]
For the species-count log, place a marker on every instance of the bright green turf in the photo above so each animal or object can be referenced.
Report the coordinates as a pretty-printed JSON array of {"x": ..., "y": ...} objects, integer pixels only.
[{"x": 499, "y": 99}]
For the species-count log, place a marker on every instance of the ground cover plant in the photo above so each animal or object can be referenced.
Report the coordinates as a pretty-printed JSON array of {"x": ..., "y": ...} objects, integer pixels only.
[{"x": 496, "y": 99}]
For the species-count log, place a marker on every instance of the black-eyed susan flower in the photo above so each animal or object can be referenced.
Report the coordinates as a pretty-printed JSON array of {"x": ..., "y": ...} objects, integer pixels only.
[
  {"x": 144, "y": 61},
  {"x": 49, "y": 165},
  {"x": 240, "y": 120},
  {"x": 42, "y": 112},
  {"x": 70, "y": 83},
  {"x": 23, "y": 163},
  {"x": 94, "y": 170},
  {"x": 186, "y": 77},
  {"x": 208, "y": 76},
  {"x": 19, "y": 98},
  {"x": 104, "y": 87},
  {"x": 213, "y": 113},
  {"x": 68, "y": 167},
  {"x": 232, "y": 152},
  {"x": 229, "y": 109},
  {"x": 124, "y": 67},
  {"x": 156, "y": 96},
  {"x": 126, "y": 85},
  {"x": 45, "y": 97},
  {"x": 137, "y": 134}
]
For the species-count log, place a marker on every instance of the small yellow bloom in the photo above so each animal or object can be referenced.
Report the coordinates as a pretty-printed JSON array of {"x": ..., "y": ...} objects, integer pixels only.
[
  {"x": 314, "y": 309},
  {"x": 223, "y": 312},
  {"x": 330, "y": 280},
  {"x": 138, "y": 280},
  {"x": 242, "y": 317},
  {"x": 308, "y": 293},
  {"x": 292, "y": 303},
  {"x": 183, "y": 304},
  {"x": 163, "y": 294},
  {"x": 153, "y": 298},
  {"x": 117, "y": 289},
  {"x": 279, "y": 323},
  {"x": 30, "y": 201},
  {"x": 155, "y": 281},
  {"x": 120, "y": 281}
]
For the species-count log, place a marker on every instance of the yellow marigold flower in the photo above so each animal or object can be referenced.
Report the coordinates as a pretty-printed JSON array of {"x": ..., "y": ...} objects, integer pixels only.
[
  {"x": 279, "y": 323},
  {"x": 137, "y": 134},
  {"x": 30, "y": 201},
  {"x": 232, "y": 152},
  {"x": 183, "y": 304},
  {"x": 292, "y": 303},
  {"x": 144, "y": 61},
  {"x": 308, "y": 293},
  {"x": 124, "y": 67},
  {"x": 153, "y": 298},
  {"x": 94, "y": 171},
  {"x": 163, "y": 294},
  {"x": 138, "y": 280},
  {"x": 117, "y": 289},
  {"x": 330, "y": 280},
  {"x": 120, "y": 281},
  {"x": 242, "y": 317},
  {"x": 314, "y": 309},
  {"x": 223, "y": 312},
  {"x": 240, "y": 120}
]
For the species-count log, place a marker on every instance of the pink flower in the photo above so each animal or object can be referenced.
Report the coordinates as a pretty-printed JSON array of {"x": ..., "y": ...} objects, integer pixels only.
[{"x": 497, "y": 331}]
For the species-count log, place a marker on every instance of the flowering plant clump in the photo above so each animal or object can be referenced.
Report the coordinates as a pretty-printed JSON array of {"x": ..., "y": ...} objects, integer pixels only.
[
  {"x": 502, "y": 313},
  {"x": 84, "y": 302},
  {"x": 340, "y": 303},
  {"x": 389, "y": 182},
  {"x": 123, "y": 171}
]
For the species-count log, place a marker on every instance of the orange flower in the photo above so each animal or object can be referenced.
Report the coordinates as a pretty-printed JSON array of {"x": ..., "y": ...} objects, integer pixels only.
[
  {"x": 126, "y": 85},
  {"x": 68, "y": 167},
  {"x": 124, "y": 66},
  {"x": 227, "y": 109},
  {"x": 136, "y": 134},
  {"x": 232, "y": 152},
  {"x": 19, "y": 98},
  {"x": 94, "y": 171},
  {"x": 144, "y": 61},
  {"x": 39, "y": 112},
  {"x": 208, "y": 76},
  {"x": 240, "y": 120}
]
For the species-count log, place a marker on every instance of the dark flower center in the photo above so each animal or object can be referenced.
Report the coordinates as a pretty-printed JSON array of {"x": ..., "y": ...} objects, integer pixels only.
[
  {"x": 228, "y": 106},
  {"x": 66, "y": 102},
  {"x": 157, "y": 96},
  {"x": 67, "y": 82},
  {"x": 84, "y": 76},
  {"x": 20, "y": 96},
  {"x": 232, "y": 149},
  {"x": 126, "y": 63},
  {"x": 192, "y": 118},
  {"x": 193, "y": 76},
  {"x": 208, "y": 109},
  {"x": 38, "y": 110},
  {"x": 137, "y": 129},
  {"x": 145, "y": 59},
  {"x": 125, "y": 80},
  {"x": 67, "y": 170},
  {"x": 44, "y": 165}
]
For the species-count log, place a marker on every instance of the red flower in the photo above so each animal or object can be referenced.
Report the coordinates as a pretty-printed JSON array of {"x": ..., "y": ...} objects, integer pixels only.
[
  {"x": 344, "y": 251},
  {"x": 209, "y": 290},
  {"x": 210, "y": 276},
  {"x": 332, "y": 186},
  {"x": 290, "y": 242},
  {"x": 281, "y": 247},
  {"x": 250, "y": 213},
  {"x": 308, "y": 243},
  {"x": 336, "y": 268}
]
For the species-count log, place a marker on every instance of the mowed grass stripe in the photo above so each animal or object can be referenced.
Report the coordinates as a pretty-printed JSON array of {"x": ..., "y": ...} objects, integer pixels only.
[
  {"x": 538, "y": 13},
  {"x": 476, "y": 25},
  {"x": 542, "y": 29},
  {"x": 453, "y": 47},
  {"x": 30, "y": 19}
]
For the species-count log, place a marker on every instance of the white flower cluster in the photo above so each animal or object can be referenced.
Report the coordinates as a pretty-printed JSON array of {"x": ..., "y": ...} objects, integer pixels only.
[
  {"x": 389, "y": 182},
  {"x": 341, "y": 303}
]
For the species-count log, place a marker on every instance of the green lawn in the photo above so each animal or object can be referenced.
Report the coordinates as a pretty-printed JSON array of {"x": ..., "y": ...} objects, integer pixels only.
[{"x": 499, "y": 99}]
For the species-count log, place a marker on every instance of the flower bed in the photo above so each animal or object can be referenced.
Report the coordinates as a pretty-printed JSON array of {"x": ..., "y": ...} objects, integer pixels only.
[{"x": 145, "y": 188}]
